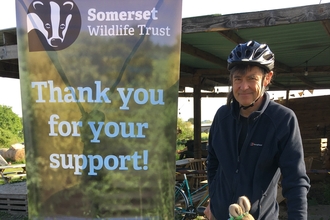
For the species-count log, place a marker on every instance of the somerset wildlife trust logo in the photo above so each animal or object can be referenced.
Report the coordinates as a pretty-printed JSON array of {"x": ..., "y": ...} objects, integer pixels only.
[{"x": 52, "y": 25}]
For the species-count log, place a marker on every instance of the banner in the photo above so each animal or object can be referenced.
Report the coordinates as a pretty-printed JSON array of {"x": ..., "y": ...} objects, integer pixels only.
[{"x": 99, "y": 83}]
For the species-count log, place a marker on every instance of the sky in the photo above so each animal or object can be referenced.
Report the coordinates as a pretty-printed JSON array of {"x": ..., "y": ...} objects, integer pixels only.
[{"x": 190, "y": 8}]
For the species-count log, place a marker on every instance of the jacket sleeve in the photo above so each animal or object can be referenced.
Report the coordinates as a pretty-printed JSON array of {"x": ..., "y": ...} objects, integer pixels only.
[
  {"x": 295, "y": 182},
  {"x": 212, "y": 160}
]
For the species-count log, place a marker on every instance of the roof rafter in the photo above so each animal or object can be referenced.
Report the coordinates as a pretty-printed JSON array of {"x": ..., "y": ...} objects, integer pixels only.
[
  {"x": 189, "y": 49},
  {"x": 326, "y": 25},
  {"x": 310, "y": 84}
]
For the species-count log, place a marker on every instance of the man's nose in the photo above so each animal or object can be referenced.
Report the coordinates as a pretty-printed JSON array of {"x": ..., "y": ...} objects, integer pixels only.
[{"x": 244, "y": 85}]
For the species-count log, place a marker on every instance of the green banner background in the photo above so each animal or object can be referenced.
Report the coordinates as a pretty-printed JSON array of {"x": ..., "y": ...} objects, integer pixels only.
[{"x": 99, "y": 110}]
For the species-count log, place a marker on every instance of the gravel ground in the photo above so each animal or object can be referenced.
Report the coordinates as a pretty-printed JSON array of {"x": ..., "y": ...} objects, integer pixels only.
[
  {"x": 13, "y": 188},
  {"x": 8, "y": 216}
]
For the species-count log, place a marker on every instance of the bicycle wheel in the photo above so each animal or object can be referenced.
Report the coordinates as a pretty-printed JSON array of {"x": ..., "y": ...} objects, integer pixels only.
[{"x": 181, "y": 204}]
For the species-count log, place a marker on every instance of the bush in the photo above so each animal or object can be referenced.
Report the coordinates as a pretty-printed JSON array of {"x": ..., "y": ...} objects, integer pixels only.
[
  {"x": 10, "y": 127},
  {"x": 205, "y": 136}
]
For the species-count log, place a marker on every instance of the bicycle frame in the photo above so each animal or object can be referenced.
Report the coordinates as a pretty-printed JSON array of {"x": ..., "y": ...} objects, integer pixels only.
[{"x": 186, "y": 192}]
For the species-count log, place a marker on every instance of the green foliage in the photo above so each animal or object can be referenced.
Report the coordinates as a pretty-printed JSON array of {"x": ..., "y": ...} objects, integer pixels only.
[
  {"x": 16, "y": 161},
  {"x": 10, "y": 127},
  {"x": 204, "y": 136},
  {"x": 191, "y": 120},
  {"x": 185, "y": 130}
]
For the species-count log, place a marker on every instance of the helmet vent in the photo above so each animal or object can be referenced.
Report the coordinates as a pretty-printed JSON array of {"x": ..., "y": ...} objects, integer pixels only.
[
  {"x": 258, "y": 53},
  {"x": 239, "y": 54},
  {"x": 263, "y": 46},
  {"x": 248, "y": 53},
  {"x": 268, "y": 56},
  {"x": 250, "y": 44}
]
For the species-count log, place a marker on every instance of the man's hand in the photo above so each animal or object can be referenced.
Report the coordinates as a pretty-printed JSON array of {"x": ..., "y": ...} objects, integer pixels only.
[{"x": 207, "y": 213}]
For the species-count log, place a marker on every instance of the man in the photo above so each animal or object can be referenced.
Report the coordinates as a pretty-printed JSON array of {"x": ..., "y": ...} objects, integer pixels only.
[{"x": 254, "y": 140}]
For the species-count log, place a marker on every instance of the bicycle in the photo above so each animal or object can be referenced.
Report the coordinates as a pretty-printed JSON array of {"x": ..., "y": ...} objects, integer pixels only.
[{"x": 184, "y": 205}]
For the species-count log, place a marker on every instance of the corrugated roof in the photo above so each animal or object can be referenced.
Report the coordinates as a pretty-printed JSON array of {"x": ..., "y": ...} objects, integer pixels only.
[{"x": 299, "y": 37}]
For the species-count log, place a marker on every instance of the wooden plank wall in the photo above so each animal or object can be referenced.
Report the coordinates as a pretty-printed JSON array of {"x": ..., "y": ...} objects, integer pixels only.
[{"x": 313, "y": 115}]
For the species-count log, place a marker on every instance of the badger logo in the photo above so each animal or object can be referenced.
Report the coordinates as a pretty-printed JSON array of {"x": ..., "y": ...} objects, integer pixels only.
[{"x": 52, "y": 25}]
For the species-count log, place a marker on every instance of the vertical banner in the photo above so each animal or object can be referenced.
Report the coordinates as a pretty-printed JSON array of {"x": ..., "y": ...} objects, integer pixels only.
[{"x": 99, "y": 82}]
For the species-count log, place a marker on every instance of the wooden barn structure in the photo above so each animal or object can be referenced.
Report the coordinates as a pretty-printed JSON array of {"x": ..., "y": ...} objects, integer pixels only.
[{"x": 299, "y": 37}]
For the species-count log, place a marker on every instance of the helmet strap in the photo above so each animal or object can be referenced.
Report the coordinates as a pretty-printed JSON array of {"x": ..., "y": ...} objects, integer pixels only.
[{"x": 248, "y": 106}]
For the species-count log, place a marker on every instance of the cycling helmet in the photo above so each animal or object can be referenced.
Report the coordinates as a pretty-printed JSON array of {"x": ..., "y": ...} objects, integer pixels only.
[{"x": 252, "y": 53}]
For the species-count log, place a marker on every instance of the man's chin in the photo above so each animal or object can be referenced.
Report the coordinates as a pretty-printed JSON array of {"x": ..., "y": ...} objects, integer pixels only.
[{"x": 245, "y": 103}]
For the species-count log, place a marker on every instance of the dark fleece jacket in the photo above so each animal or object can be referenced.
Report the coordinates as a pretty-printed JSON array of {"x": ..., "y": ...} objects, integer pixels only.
[{"x": 272, "y": 147}]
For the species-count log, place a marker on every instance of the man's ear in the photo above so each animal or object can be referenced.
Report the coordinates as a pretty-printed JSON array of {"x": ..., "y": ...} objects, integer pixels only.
[{"x": 268, "y": 78}]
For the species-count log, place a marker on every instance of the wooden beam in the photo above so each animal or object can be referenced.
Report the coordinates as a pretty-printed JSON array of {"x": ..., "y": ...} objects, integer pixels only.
[
  {"x": 8, "y": 52},
  {"x": 280, "y": 67},
  {"x": 9, "y": 38},
  {"x": 326, "y": 25},
  {"x": 188, "y": 81},
  {"x": 298, "y": 87},
  {"x": 311, "y": 70},
  {"x": 9, "y": 69},
  {"x": 232, "y": 36},
  {"x": 218, "y": 77},
  {"x": 276, "y": 84},
  {"x": 213, "y": 23},
  {"x": 220, "y": 81},
  {"x": 189, "y": 49},
  {"x": 9, "y": 74},
  {"x": 308, "y": 83},
  {"x": 213, "y": 72},
  {"x": 319, "y": 70},
  {"x": 204, "y": 94},
  {"x": 186, "y": 69}
]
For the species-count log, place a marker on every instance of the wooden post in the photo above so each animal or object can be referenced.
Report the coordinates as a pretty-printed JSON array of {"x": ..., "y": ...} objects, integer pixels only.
[
  {"x": 197, "y": 117},
  {"x": 287, "y": 97}
]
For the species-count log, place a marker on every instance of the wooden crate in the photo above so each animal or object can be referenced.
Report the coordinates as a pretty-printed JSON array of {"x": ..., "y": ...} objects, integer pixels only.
[
  {"x": 316, "y": 148},
  {"x": 312, "y": 147},
  {"x": 13, "y": 203}
]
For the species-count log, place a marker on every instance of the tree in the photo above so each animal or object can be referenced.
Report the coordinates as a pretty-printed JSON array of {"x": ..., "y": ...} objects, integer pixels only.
[
  {"x": 10, "y": 127},
  {"x": 186, "y": 130},
  {"x": 191, "y": 120}
]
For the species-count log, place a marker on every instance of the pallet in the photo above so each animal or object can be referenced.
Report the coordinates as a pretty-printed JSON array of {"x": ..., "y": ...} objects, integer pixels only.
[{"x": 15, "y": 204}]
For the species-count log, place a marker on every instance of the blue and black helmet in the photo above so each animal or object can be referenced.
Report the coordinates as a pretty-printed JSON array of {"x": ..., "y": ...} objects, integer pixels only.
[{"x": 252, "y": 53}]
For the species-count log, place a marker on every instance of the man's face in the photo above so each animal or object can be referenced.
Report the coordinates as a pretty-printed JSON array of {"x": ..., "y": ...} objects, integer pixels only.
[{"x": 248, "y": 87}]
